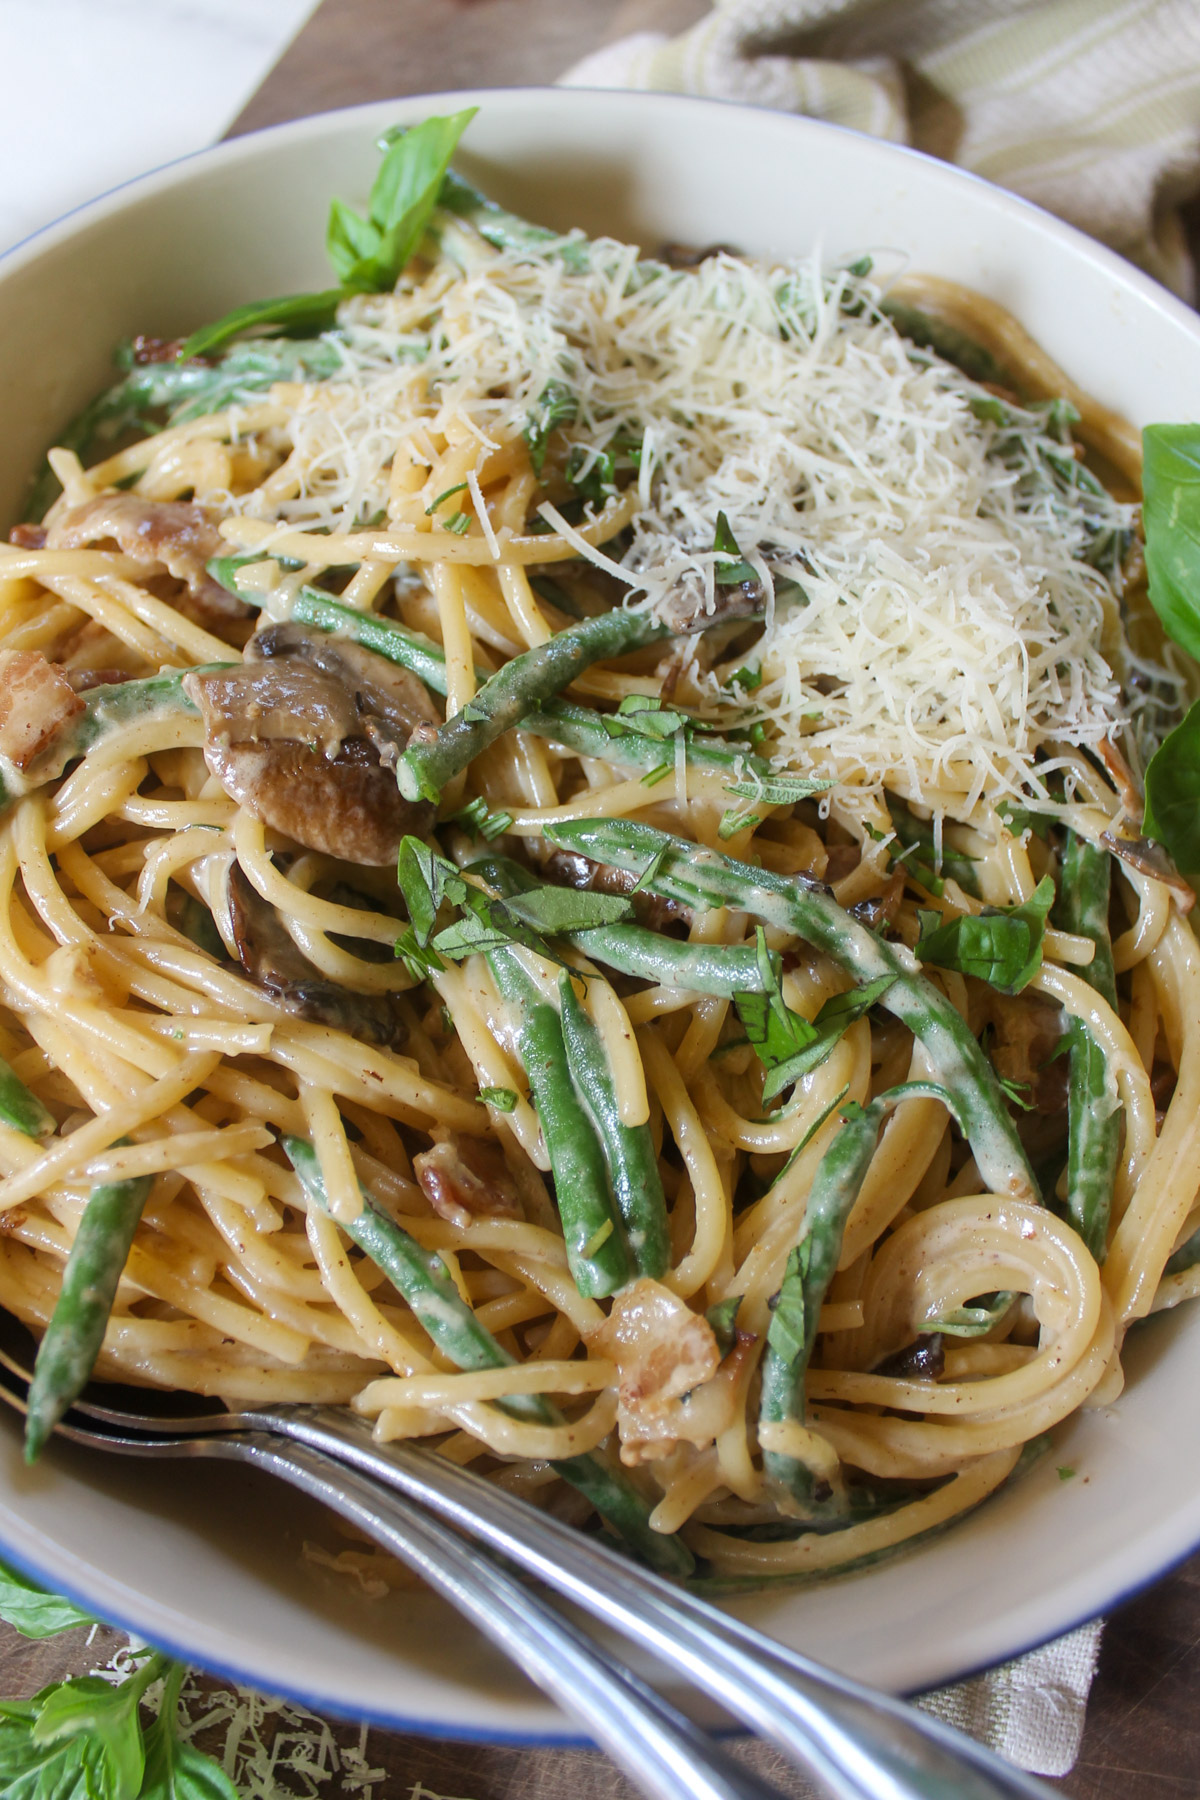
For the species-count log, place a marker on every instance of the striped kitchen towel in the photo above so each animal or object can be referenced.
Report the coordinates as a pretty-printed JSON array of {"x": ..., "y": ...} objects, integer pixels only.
[{"x": 1091, "y": 108}]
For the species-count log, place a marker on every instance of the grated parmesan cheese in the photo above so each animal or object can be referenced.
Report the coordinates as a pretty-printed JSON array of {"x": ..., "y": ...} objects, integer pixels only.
[{"x": 932, "y": 620}]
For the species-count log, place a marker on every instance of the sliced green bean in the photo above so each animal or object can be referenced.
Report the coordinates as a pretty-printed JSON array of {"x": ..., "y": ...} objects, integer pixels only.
[
  {"x": 515, "y": 689},
  {"x": 1093, "y": 1109},
  {"x": 686, "y": 872},
  {"x": 68, "y": 1351},
  {"x": 22, "y": 1110},
  {"x": 719, "y": 969},
  {"x": 577, "y": 728},
  {"x": 422, "y": 1279},
  {"x": 597, "y": 1253},
  {"x": 628, "y": 1149},
  {"x": 810, "y": 1268}
]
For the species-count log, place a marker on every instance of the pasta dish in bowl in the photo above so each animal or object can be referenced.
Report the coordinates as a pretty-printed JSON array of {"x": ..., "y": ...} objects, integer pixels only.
[{"x": 576, "y": 880}]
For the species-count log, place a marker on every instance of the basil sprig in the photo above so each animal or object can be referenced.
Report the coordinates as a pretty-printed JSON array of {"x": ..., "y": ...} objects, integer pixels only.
[
  {"x": 789, "y": 1045},
  {"x": 1002, "y": 945},
  {"x": 368, "y": 255},
  {"x": 83, "y": 1738}
]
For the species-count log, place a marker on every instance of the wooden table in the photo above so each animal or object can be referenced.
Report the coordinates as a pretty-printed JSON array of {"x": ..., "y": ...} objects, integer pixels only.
[{"x": 1143, "y": 1732}]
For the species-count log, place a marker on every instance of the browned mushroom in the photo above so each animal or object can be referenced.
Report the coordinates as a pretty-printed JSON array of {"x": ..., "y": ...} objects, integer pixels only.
[
  {"x": 293, "y": 735},
  {"x": 272, "y": 958}
]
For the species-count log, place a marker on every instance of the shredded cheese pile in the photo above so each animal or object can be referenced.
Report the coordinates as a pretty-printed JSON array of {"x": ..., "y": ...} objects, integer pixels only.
[{"x": 930, "y": 621}]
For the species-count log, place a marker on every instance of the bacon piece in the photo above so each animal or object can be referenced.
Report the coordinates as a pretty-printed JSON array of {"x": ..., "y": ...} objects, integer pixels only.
[
  {"x": 1149, "y": 858},
  {"x": 36, "y": 702},
  {"x": 28, "y": 537},
  {"x": 161, "y": 534},
  {"x": 466, "y": 1178},
  {"x": 663, "y": 1352}
]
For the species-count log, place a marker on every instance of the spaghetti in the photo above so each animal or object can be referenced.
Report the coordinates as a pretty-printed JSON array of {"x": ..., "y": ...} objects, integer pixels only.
[{"x": 710, "y": 681}]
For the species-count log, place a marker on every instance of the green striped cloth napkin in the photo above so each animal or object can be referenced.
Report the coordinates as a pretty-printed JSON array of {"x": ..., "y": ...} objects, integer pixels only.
[{"x": 1091, "y": 108}]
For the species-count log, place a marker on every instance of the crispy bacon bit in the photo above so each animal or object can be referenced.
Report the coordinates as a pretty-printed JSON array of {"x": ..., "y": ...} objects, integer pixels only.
[
  {"x": 28, "y": 537},
  {"x": 1026, "y": 1032},
  {"x": 36, "y": 702},
  {"x": 663, "y": 1352},
  {"x": 1149, "y": 858},
  {"x": 163, "y": 534},
  {"x": 161, "y": 350},
  {"x": 880, "y": 910},
  {"x": 466, "y": 1178},
  {"x": 690, "y": 256}
]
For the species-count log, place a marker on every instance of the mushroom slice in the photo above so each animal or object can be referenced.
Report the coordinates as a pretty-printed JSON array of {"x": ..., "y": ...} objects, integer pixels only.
[
  {"x": 467, "y": 1178},
  {"x": 285, "y": 740},
  {"x": 272, "y": 959},
  {"x": 163, "y": 534},
  {"x": 381, "y": 689}
]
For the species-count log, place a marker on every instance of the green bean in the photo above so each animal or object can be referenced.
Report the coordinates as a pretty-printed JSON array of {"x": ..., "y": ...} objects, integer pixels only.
[
  {"x": 515, "y": 689},
  {"x": 720, "y": 969},
  {"x": 1093, "y": 1110},
  {"x": 22, "y": 1110},
  {"x": 628, "y": 1149},
  {"x": 686, "y": 872},
  {"x": 423, "y": 1281},
  {"x": 809, "y": 1270},
  {"x": 597, "y": 1253},
  {"x": 946, "y": 340},
  {"x": 185, "y": 390},
  {"x": 923, "y": 856},
  {"x": 68, "y": 1351},
  {"x": 577, "y": 728}
]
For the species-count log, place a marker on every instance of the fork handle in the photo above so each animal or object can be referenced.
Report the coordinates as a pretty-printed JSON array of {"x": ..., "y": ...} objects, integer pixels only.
[
  {"x": 662, "y": 1753},
  {"x": 858, "y": 1743}
]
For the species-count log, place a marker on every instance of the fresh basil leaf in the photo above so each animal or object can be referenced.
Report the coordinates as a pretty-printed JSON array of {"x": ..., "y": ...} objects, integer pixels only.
[
  {"x": 75, "y": 1769},
  {"x": 475, "y": 816},
  {"x": 34, "y": 1612},
  {"x": 786, "y": 1334},
  {"x": 776, "y": 1032},
  {"x": 748, "y": 678},
  {"x": 830, "y": 1025},
  {"x": 731, "y": 568},
  {"x": 1173, "y": 794},
  {"x": 1019, "y": 820},
  {"x": 175, "y": 1770},
  {"x": 1171, "y": 520},
  {"x": 738, "y": 818},
  {"x": 502, "y": 1098},
  {"x": 474, "y": 935},
  {"x": 460, "y": 524},
  {"x": 87, "y": 1706},
  {"x": 557, "y": 404},
  {"x": 778, "y": 790},
  {"x": 556, "y": 910},
  {"x": 426, "y": 880},
  {"x": 458, "y": 488},
  {"x": 370, "y": 254},
  {"x": 307, "y": 313},
  {"x": 593, "y": 475},
  {"x": 974, "y": 1319},
  {"x": 650, "y": 718},
  {"x": 723, "y": 1319},
  {"x": 1000, "y": 945}
]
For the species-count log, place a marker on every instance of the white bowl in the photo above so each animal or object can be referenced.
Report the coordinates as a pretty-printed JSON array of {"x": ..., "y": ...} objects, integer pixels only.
[{"x": 207, "y": 1561}]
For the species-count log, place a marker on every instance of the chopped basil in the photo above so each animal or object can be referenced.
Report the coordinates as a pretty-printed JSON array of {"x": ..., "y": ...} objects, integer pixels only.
[
  {"x": 557, "y": 404},
  {"x": 731, "y": 568},
  {"x": 502, "y": 1098},
  {"x": 1002, "y": 945}
]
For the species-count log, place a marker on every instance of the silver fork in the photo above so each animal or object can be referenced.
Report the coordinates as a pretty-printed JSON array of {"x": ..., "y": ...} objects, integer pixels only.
[
  {"x": 857, "y": 1743},
  {"x": 663, "y": 1753}
]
